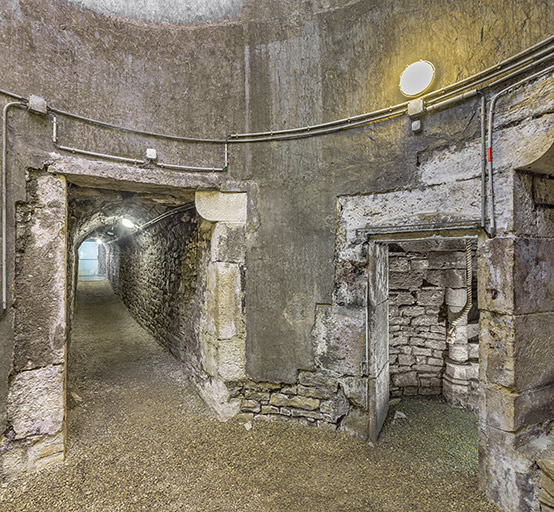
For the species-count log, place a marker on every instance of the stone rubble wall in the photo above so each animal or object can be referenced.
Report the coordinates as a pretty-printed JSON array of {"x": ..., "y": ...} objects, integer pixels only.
[
  {"x": 154, "y": 272},
  {"x": 317, "y": 399},
  {"x": 426, "y": 285}
]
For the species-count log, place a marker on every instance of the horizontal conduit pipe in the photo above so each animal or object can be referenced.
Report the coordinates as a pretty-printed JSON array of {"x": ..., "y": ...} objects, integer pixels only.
[
  {"x": 314, "y": 130},
  {"x": 5, "y": 112},
  {"x": 183, "y": 208},
  {"x": 133, "y": 161},
  {"x": 469, "y": 94}
]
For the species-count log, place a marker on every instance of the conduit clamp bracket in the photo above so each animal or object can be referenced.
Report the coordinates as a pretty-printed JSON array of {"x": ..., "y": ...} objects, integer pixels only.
[
  {"x": 364, "y": 369},
  {"x": 37, "y": 105}
]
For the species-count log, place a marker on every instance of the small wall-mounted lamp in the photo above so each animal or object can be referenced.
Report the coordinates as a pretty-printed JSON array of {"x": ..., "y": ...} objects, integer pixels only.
[
  {"x": 127, "y": 223},
  {"x": 415, "y": 80}
]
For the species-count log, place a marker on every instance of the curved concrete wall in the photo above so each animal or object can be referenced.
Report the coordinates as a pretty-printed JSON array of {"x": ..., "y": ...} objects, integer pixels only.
[
  {"x": 276, "y": 65},
  {"x": 166, "y": 11}
]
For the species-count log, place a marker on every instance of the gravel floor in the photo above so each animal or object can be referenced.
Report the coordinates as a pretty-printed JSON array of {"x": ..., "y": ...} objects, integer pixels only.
[{"x": 140, "y": 439}]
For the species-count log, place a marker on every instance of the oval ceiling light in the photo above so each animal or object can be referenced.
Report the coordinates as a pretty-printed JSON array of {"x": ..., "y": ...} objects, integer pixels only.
[
  {"x": 417, "y": 78},
  {"x": 128, "y": 223}
]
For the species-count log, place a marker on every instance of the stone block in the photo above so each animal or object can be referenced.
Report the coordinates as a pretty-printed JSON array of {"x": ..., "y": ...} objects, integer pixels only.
[
  {"x": 398, "y": 264},
  {"x": 355, "y": 423},
  {"x": 378, "y": 274},
  {"x": 320, "y": 393},
  {"x": 401, "y": 299},
  {"x": 419, "y": 265},
  {"x": 430, "y": 298},
  {"x": 228, "y": 243},
  {"x": 421, "y": 351},
  {"x": 231, "y": 359},
  {"x": 36, "y": 402},
  {"x": 453, "y": 278},
  {"x": 509, "y": 411},
  {"x": 406, "y": 360},
  {"x": 458, "y": 352},
  {"x": 405, "y": 379},
  {"x": 457, "y": 371},
  {"x": 314, "y": 415},
  {"x": 355, "y": 389},
  {"x": 250, "y": 406},
  {"x": 520, "y": 349},
  {"x": 405, "y": 280},
  {"x": 298, "y": 402},
  {"x": 216, "y": 206},
  {"x": 412, "y": 311},
  {"x": 456, "y": 297},
  {"x": 434, "y": 362},
  {"x": 224, "y": 280},
  {"x": 424, "y": 320},
  {"x": 335, "y": 408},
  {"x": 339, "y": 339},
  {"x": 446, "y": 260},
  {"x": 318, "y": 380},
  {"x": 533, "y": 280},
  {"x": 269, "y": 409},
  {"x": 496, "y": 272}
]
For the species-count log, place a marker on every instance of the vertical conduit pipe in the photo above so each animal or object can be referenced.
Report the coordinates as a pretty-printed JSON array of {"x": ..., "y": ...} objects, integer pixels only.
[
  {"x": 494, "y": 99},
  {"x": 5, "y": 112},
  {"x": 483, "y": 161}
]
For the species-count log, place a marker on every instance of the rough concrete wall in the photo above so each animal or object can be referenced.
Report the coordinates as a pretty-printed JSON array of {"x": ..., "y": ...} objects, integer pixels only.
[
  {"x": 166, "y": 11},
  {"x": 157, "y": 278},
  {"x": 278, "y": 64}
]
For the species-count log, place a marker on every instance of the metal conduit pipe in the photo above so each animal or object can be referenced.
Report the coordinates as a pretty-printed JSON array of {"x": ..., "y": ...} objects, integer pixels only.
[
  {"x": 5, "y": 112},
  {"x": 514, "y": 61},
  {"x": 483, "y": 162},
  {"x": 133, "y": 161},
  {"x": 183, "y": 208},
  {"x": 469, "y": 295},
  {"x": 469, "y": 94},
  {"x": 494, "y": 99}
]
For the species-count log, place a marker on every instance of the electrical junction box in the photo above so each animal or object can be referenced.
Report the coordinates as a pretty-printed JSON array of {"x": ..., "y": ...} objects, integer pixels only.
[
  {"x": 37, "y": 105},
  {"x": 416, "y": 108},
  {"x": 151, "y": 154}
]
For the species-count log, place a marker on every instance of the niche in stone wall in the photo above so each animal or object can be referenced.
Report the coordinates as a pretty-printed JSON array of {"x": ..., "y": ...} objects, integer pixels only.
[{"x": 427, "y": 290}]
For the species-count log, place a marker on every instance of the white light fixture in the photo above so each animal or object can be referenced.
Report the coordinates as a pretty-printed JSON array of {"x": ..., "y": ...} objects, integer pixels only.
[
  {"x": 128, "y": 223},
  {"x": 417, "y": 78}
]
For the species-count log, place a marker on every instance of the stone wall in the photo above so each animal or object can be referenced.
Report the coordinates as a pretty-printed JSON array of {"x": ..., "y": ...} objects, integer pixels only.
[
  {"x": 35, "y": 433},
  {"x": 427, "y": 286},
  {"x": 318, "y": 398},
  {"x": 154, "y": 272}
]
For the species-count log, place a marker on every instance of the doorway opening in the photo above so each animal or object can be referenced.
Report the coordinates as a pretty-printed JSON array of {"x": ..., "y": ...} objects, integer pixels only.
[
  {"x": 433, "y": 329},
  {"x": 92, "y": 260}
]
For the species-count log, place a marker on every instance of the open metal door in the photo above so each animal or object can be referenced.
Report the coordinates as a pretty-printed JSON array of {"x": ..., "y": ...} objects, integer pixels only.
[{"x": 377, "y": 337}]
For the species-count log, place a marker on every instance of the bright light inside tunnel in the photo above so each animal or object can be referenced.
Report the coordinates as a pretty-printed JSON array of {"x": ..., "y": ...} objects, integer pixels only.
[
  {"x": 128, "y": 223},
  {"x": 417, "y": 78}
]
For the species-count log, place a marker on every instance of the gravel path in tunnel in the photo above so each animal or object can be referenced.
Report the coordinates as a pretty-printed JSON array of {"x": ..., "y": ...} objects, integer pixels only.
[{"x": 140, "y": 439}]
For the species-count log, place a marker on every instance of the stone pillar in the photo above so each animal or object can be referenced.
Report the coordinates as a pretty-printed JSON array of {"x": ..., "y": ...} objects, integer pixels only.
[
  {"x": 36, "y": 388},
  {"x": 223, "y": 333},
  {"x": 516, "y": 296}
]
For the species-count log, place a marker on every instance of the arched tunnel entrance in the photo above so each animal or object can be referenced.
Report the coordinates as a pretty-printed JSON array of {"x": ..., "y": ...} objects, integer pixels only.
[{"x": 133, "y": 305}]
